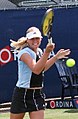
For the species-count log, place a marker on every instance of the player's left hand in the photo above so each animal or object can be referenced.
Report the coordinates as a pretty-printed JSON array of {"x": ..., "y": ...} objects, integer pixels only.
[{"x": 62, "y": 53}]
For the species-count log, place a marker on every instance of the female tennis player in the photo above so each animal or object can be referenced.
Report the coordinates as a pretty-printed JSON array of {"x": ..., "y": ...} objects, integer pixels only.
[{"x": 28, "y": 93}]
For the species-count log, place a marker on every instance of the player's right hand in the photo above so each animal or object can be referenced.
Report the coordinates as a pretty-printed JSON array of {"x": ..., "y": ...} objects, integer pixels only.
[{"x": 50, "y": 47}]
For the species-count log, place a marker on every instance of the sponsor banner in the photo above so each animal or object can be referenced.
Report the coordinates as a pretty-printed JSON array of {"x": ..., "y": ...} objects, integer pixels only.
[
  {"x": 67, "y": 103},
  {"x": 5, "y": 55},
  {"x": 75, "y": 101}
]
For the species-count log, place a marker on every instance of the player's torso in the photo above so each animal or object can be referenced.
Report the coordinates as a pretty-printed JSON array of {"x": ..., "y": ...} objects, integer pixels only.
[{"x": 26, "y": 78}]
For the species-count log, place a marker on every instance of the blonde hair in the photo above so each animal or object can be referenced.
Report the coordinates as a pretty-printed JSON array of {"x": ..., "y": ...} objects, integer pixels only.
[{"x": 20, "y": 44}]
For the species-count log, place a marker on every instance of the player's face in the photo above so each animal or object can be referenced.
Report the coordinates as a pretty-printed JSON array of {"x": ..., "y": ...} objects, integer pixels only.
[{"x": 34, "y": 43}]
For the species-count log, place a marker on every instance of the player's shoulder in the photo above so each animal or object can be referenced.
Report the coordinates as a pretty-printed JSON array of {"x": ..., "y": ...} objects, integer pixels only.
[
  {"x": 27, "y": 49},
  {"x": 39, "y": 51}
]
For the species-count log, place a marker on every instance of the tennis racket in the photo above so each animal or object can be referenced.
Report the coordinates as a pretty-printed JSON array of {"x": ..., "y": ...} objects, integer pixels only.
[{"x": 46, "y": 25}]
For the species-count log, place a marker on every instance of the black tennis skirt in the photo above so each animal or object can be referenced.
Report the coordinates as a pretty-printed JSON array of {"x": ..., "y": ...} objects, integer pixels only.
[{"x": 27, "y": 100}]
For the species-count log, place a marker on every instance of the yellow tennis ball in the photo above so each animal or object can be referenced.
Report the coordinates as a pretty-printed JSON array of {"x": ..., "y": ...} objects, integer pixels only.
[{"x": 70, "y": 62}]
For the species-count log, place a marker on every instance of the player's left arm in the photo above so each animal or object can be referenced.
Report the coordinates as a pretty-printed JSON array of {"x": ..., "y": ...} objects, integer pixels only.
[{"x": 59, "y": 55}]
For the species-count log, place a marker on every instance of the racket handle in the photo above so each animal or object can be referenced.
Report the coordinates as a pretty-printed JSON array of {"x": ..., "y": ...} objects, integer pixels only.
[{"x": 50, "y": 40}]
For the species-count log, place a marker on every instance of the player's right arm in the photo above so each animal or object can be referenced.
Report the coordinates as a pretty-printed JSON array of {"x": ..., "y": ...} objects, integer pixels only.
[{"x": 38, "y": 66}]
